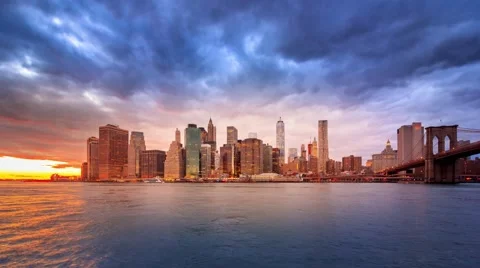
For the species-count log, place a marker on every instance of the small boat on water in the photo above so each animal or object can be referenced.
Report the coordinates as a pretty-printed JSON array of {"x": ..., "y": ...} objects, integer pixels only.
[{"x": 157, "y": 179}]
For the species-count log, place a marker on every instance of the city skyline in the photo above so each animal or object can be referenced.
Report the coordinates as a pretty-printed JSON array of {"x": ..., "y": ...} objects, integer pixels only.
[
  {"x": 68, "y": 68},
  {"x": 48, "y": 167}
]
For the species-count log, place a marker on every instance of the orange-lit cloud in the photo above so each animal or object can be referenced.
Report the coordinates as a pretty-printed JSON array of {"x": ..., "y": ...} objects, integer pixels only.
[{"x": 18, "y": 168}]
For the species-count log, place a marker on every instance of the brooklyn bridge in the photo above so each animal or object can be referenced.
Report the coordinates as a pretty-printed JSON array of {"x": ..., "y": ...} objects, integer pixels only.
[{"x": 440, "y": 160}]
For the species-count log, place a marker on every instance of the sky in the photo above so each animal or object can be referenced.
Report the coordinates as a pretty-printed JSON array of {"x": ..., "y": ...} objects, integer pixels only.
[{"x": 368, "y": 67}]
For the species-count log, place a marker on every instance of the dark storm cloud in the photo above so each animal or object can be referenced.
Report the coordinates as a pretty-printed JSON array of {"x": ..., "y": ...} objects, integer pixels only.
[
  {"x": 333, "y": 53},
  {"x": 366, "y": 45}
]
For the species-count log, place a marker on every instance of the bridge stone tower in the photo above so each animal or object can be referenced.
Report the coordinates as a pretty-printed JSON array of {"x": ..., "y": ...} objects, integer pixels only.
[{"x": 437, "y": 171}]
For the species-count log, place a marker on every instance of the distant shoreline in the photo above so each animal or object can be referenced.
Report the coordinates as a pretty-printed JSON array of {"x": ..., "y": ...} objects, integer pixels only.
[{"x": 230, "y": 182}]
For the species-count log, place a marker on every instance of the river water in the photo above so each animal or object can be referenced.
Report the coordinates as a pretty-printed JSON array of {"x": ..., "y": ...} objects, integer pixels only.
[{"x": 239, "y": 225}]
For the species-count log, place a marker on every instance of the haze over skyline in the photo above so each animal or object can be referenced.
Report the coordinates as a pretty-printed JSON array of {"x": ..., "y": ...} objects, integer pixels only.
[{"x": 68, "y": 67}]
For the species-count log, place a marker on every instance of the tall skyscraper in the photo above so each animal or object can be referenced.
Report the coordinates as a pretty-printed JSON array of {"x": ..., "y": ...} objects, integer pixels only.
[
  {"x": 203, "y": 134},
  {"x": 212, "y": 140},
  {"x": 232, "y": 135},
  {"x": 213, "y": 148},
  {"x": 137, "y": 145},
  {"x": 152, "y": 163},
  {"x": 267, "y": 158},
  {"x": 281, "y": 140},
  {"x": 205, "y": 160},
  {"x": 303, "y": 152},
  {"x": 251, "y": 156},
  {"x": 192, "y": 151},
  {"x": 252, "y": 135},
  {"x": 238, "y": 158},
  {"x": 113, "y": 152},
  {"x": 92, "y": 158},
  {"x": 322, "y": 145},
  {"x": 314, "y": 147},
  {"x": 212, "y": 131},
  {"x": 174, "y": 163},
  {"x": 177, "y": 136},
  {"x": 217, "y": 160},
  {"x": 410, "y": 142},
  {"x": 309, "y": 150}
]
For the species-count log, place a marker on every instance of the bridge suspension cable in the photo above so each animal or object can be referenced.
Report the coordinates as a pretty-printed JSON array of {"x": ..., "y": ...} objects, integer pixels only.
[{"x": 468, "y": 130}]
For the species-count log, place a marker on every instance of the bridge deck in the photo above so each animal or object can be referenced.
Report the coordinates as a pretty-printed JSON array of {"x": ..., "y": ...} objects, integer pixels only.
[{"x": 456, "y": 153}]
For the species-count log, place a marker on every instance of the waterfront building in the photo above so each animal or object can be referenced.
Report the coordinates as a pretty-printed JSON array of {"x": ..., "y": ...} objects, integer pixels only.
[
  {"x": 322, "y": 145},
  {"x": 386, "y": 159},
  {"x": 227, "y": 159},
  {"x": 276, "y": 160},
  {"x": 267, "y": 158},
  {"x": 292, "y": 167},
  {"x": 175, "y": 161},
  {"x": 113, "y": 152},
  {"x": 292, "y": 154},
  {"x": 352, "y": 163},
  {"x": 178, "y": 136},
  {"x": 302, "y": 164},
  {"x": 232, "y": 135},
  {"x": 331, "y": 167},
  {"x": 205, "y": 160},
  {"x": 92, "y": 158},
  {"x": 84, "y": 171},
  {"x": 137, "y": 145},
  {"x": 313, "y": 164},
  {"x": 338, "y": 167},
  {"x": 192, "y": 151},
  {"x": 251, "y": 156},
  {"x": 280, "y": 142},
  {"x": 369, "y": 163},
  {"x": 315, "y": 147},
  {"x": 469, "y": 166},
  {"x": 152, "y": 163},
  {"x": 410, "y": 142}
]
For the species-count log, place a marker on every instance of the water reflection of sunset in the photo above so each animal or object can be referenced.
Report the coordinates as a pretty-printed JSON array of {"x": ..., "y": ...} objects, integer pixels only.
[
  {"x": 35, "y": 223},
  {"x": 19, "y": 168}
]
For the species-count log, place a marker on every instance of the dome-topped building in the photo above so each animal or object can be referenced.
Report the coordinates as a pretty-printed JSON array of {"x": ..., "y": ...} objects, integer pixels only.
[{"x": 386, "y": 159}]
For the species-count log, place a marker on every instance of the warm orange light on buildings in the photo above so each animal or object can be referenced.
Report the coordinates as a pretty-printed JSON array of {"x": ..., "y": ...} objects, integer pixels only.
[{"x": 19, "y": 168}]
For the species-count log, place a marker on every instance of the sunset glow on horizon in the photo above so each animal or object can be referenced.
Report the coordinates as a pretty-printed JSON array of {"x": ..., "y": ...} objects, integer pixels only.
[{"x": 19, "y": 168}]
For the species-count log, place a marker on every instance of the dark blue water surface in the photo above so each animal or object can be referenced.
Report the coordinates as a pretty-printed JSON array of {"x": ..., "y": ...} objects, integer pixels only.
[{"x": 239, "y": 225}]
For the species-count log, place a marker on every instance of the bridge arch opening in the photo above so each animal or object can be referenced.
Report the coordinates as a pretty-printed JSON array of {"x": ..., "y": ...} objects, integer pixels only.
[
  {"x": 448, "y": 143},
  {"x": 435, "y": 145}
]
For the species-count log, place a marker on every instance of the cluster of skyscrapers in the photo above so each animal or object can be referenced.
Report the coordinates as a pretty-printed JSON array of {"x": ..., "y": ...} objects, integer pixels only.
[{"x": 114, "y": 156}]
